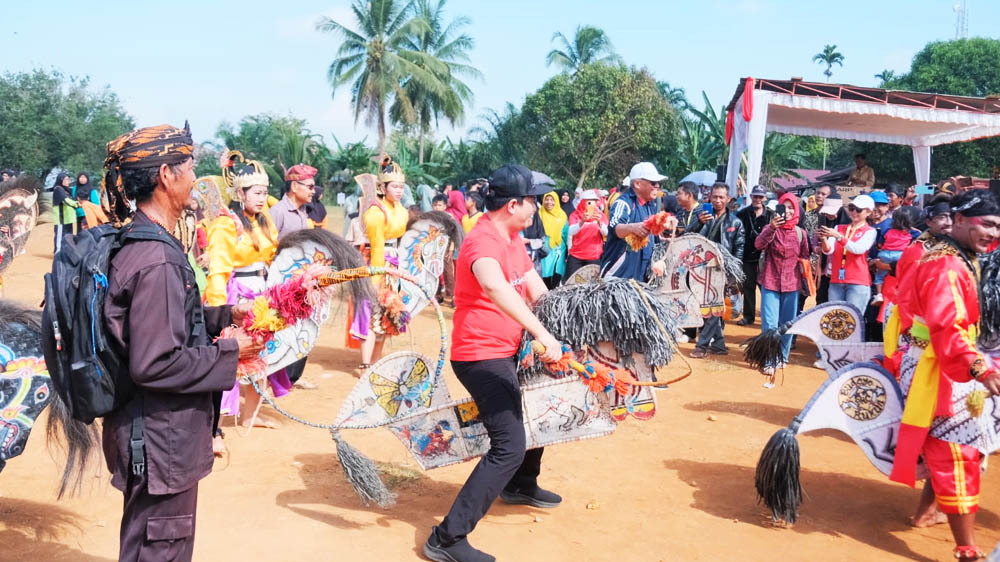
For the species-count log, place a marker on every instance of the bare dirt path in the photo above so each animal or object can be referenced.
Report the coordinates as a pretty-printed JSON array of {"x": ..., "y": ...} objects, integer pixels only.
[{"x": 677, "y": 487}]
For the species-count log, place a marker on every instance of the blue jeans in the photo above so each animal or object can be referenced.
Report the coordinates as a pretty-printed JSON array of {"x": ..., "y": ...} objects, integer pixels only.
[
  {"x": 858, "y": 295},
  {"x": 886, "y": 256},
  {"x": 776, "y": 309}
]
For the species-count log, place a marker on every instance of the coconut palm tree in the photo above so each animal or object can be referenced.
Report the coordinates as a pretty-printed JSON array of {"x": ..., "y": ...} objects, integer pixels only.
[
  {"x": 885, "y": 77},
  {"x": 376, "y": 60},
  {"x": 589, "y": 45},
  {"x": 829, "y": 57},
  {"x": 448, "y": 45}
]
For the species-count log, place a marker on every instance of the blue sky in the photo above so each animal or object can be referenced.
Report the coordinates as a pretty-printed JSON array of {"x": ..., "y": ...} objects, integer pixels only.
[{"x": 214, "y": 60}]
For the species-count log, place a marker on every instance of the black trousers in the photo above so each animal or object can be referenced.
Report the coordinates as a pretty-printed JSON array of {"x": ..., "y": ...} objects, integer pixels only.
[
  {"x": 295, "y": 370},
  {"x": 750, "y": 291},
  {"x": 157, "y": 528},
  {"x": 823, "y": 291},
  {"x": 574, "y": 263},
  {"x": 494, "y": 387}
]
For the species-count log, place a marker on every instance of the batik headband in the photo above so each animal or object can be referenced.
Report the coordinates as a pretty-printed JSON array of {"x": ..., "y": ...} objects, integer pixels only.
[{"x": 148, "y": 147}]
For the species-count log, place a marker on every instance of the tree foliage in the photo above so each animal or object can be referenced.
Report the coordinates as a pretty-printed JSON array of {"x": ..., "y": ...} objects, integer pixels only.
[
  {"x": 51, "y": 121},
  {"x": 829, "y": 57},
  {"x": 278, "y": 143},
  {"x": 592, "y": 124},
  {"x": 375, "y": 62},
  {"x": 964, "y": 67},
  {"x": 589, "y": 45}
]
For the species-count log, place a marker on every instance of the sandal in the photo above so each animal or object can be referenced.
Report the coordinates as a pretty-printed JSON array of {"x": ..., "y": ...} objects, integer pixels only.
[
  {"x": 967, "y": 552},
  {"x": 360, "y": 369}
]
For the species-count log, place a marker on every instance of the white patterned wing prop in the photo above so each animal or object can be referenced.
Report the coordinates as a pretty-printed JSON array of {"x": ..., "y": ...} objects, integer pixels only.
[
  {"x": 421, "y": 252},
  {"x": 838, "y": 330},
  {"x": 296, "y": 341},
  {"x": 865, "y": 402}
]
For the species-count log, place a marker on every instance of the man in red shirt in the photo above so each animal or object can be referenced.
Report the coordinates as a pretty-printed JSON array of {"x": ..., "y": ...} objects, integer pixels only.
[{"x": 494, "y": 282}]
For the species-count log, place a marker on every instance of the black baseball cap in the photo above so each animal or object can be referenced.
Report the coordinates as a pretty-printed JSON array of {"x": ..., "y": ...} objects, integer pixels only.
[{"x": 514, "y": 180}]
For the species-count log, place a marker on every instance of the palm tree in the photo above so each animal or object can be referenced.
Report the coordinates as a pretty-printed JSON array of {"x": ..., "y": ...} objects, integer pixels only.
[
  {"x": 885, "y": 77},
  {"x": 588, "y": 46},
  {"x": 829, "y": 57},
  {"x": 675, "y": 96},
  {"x": 376, "y": 61},
  {"x": 447, "y": 45}
]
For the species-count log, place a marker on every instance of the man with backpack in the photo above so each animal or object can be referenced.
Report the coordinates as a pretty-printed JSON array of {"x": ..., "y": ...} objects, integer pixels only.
[{"x": 158, "y": 443}]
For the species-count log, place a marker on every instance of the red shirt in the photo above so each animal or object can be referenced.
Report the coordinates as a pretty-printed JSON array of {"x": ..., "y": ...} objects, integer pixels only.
[
  {"x": 481, "y": 329},
  {"x": 588, "y": 243},
  {"x": 855, "y": 266}
]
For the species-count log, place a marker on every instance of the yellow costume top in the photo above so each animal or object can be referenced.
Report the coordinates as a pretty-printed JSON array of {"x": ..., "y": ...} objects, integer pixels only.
[
  {"x": 383, "y": 224},
  {"x": 230, "y": 247},
  {"x": 469, "y": 222}
]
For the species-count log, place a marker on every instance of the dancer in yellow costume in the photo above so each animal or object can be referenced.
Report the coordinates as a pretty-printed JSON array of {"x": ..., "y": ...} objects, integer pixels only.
[
  {"x": 384, "y": 221},
  {"x": 241, "y": 245}
]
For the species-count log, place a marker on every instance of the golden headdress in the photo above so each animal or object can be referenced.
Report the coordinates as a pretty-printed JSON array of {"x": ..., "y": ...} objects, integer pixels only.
[
  {"x": 388, "y": 172},
  {"x": 241, "y": 173}
]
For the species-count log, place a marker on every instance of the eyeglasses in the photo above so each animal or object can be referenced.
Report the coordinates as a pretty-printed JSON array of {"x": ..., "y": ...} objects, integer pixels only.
[
  {"x": 853, "y": 209},
  {"x": 307, "y": 185}
]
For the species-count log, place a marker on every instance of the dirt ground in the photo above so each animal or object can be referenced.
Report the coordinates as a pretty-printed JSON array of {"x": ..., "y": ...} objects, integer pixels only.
[{"x": 677, "y": 487}]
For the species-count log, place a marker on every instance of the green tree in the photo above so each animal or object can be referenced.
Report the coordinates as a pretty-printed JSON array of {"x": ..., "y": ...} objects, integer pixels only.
[
  {"x": 589, "y": 45},
  {"x": 963, "y": 67},
  {"x": 353, "y": 158},
  {"x": 676, "y": 96},
  {"x": 278, "y": 142},
  {"x": 448, "y": 45},
  {"x": 885, "y": 77},
  {"x": 49, "y": 121},
  {"x": 375, "y": 62},
  {"x": 829, "y": 57},
  {"x": 593, "y": 124}
]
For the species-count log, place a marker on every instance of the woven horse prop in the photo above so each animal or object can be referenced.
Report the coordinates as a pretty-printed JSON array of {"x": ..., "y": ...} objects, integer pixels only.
[
  {"x": 19, "y": 210},
  {"x": 621, "y": 333},
  {"x": 693, "y": 285},
  {"x": 859, "y": 398},
  {"x": 25, "y": 387}
]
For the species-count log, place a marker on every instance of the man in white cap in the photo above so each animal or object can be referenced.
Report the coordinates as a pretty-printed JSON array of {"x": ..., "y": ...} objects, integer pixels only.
[{"x": 626, "y": 216}]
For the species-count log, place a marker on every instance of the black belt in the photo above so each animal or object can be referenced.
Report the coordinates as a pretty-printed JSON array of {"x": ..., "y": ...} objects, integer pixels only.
[{"x": 257, "y": 273}]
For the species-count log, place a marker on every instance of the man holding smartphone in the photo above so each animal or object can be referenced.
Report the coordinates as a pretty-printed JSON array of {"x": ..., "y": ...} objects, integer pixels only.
[{"x": 725, "y": 229}]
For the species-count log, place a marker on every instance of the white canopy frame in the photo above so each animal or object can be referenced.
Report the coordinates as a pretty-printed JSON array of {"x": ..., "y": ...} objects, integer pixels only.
[{"x": 920, "y": 121}]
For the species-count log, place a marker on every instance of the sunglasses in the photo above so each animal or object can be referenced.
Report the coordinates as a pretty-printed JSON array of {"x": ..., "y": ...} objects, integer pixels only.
[{"x": 853, "y": 209}]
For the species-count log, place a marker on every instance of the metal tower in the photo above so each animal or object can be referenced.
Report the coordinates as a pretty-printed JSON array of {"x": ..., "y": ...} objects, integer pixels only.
[{"x": 961, "y": 19}]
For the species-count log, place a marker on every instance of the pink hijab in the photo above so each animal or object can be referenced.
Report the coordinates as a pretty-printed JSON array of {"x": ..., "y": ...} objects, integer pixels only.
[{"x": 456, "y": 205}]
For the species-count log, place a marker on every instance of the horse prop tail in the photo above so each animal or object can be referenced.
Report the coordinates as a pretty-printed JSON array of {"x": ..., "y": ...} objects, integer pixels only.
[
  {"x": 362, "y": 473},
  {"x": 777, "y": 475},
  {"x": 764, "y": 349}
]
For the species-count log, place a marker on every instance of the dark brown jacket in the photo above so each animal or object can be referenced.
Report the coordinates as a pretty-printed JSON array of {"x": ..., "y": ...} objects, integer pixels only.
[{"x": 175, "y": 367}]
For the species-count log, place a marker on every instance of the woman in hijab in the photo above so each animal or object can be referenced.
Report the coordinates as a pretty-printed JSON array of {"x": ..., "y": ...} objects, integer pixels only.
[
  {"x": 556, "y": 225},
  {"x": 456, "y": 205},
  {"x": 783, "y": 245},
  {"x": 566, "y": 202},
  {"x": 63, "y": 208}
]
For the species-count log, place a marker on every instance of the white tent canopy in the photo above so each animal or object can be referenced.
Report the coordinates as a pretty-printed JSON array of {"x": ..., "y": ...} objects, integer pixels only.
[{"x": 848, "y": 112}]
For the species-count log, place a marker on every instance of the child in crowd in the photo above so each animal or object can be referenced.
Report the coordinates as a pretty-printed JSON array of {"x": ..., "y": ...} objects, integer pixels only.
[{"x": 896, "y": 239}]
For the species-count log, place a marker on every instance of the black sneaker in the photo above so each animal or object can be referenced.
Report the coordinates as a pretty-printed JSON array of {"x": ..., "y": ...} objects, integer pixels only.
[
  {"x": 723, "y": 351},
  {"x": 536, "y": 497},
  {"x": 461, "y": 551}
]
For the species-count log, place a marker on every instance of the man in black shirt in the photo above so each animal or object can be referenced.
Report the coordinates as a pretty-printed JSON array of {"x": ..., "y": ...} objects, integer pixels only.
[{"x": 754, "y": 218}]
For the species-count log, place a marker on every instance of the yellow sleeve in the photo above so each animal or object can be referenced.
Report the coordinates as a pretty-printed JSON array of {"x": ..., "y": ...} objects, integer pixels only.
[
  {"x": 375, "y": 223},
  {"x": 221, "y": 252}
]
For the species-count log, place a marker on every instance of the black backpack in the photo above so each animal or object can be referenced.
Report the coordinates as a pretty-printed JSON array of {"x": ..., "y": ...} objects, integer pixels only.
[{"x": 87, "y": 374}]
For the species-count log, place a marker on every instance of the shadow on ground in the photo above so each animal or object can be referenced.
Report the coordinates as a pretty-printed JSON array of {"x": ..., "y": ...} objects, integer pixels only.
[
  {"x": 868, "y": 511},
  {"x": 28, "y": 529},
  {"x": 421, "y": 501}
]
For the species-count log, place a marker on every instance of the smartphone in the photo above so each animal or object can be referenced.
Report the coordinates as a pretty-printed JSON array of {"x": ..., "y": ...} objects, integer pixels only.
[
  {"x": 779, "y": 211},
  {"x": 706, "y": 208}
]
